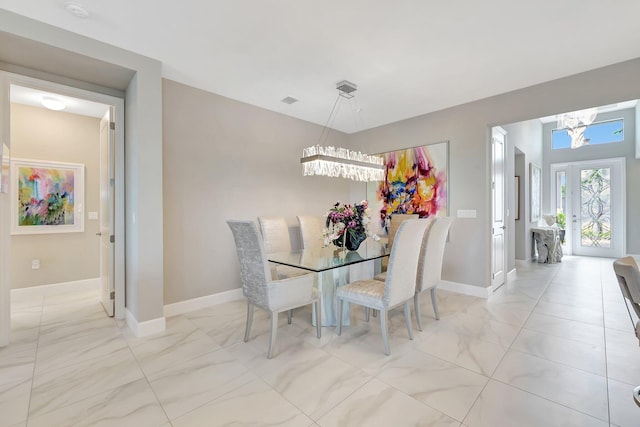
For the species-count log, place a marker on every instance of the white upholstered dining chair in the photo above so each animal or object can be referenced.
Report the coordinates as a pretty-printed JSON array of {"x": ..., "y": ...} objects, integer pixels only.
[
  {"x": 430, "y": 265},
  {"x": 399, "y": 287},
  {"x": 275, "y": 233},
  {"x": 394, "y": 224},
  {"x": 274, "y": 296},
  {"x": 311, "y": 230}
]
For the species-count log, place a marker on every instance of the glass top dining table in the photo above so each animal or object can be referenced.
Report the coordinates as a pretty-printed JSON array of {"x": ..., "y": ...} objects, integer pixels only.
[
  {"x": 335, "y": 267},
  {"x": 321, "y": 259}
]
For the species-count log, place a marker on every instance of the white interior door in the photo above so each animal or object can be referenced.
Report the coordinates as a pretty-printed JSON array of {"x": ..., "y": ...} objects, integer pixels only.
[
  {"x": 598, "y": 214},
  {"x": 498, "y": 226},
  {"x": 5, "y": 286},
  {"x": 107, "y": 181}
]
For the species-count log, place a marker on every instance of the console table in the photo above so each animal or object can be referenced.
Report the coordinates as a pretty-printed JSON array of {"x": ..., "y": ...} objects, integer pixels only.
[{"x": 548, "y": 244}]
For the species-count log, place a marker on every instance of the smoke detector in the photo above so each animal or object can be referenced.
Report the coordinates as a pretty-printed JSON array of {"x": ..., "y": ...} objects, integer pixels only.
[{"x": 76, "y": 9}]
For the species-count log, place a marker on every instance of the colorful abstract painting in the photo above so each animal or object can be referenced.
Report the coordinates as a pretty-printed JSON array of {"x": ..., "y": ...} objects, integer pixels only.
[
  {"x": 415, "y": 183},
  {"x": 48, "y": 197}
]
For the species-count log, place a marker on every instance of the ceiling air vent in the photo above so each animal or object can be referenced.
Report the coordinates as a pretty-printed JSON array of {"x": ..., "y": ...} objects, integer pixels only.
[{"x": 289, "y": 100}]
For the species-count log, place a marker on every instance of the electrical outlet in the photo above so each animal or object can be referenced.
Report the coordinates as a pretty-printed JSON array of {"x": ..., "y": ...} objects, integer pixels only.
[{"x": 35, "y": 264}]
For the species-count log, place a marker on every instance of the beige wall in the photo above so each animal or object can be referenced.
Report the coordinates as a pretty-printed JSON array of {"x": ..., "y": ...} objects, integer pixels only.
[
  {"x": 215, "y": 150},
  {"x": 467, "y": 127},
  {"x": 40, "y": 134},
  {"x": 227, "y": 160}
]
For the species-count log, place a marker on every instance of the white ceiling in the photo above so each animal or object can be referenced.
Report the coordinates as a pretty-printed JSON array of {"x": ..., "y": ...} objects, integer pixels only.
[
  {"x": 33, "y": 97},
  {"x": 408, "y": 57}
]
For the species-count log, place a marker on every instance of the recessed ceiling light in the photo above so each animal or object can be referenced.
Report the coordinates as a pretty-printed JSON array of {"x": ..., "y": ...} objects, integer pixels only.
[
  {"x": 76, "y": 9},
  {"x": 53, "y": 104}
]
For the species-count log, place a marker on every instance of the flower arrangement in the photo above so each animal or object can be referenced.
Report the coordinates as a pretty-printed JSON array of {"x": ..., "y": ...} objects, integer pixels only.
[{"x": 347, "y": 225}]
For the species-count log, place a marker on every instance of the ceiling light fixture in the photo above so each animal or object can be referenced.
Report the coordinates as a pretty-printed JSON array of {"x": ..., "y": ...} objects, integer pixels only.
[
  {"x": 76, "y": 9},
  {"x": 576, "y": 123},
  {"x": 341, "y": 162},
  {"x": 53, "y": 104}
]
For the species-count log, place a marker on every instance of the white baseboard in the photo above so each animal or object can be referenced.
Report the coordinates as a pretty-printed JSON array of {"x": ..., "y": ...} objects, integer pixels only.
[
  {"x": 59, "y": 288},
  {"x": 511, "y": 274},
  {"x": 148, "y": 327},
  {"x": 202, "y": 302},
  {"x": 463, "y": 288}
]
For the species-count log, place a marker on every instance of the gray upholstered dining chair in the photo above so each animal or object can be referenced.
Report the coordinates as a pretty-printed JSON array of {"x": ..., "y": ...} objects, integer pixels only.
[
  {"x": 400, "y": 285},
  {"x": 628, "y": 276},
  {"x": 311, "y": 230},
  {"x": 430, "y": 265},
  {"x": 275, "y": 233},
  {"x": 274, "y": 296}
]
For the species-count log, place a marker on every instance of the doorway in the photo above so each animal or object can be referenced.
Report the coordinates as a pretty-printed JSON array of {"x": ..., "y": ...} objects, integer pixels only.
[
  {"x": 113, "y": 177},
  {"x": 589, "y": 198},
  {"x": 498, "y": 194}
]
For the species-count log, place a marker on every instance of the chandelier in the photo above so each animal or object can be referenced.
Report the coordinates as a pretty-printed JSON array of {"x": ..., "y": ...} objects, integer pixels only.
[
  {"x": 341, "y": 162},
  {"x": 576, "y": 123}
]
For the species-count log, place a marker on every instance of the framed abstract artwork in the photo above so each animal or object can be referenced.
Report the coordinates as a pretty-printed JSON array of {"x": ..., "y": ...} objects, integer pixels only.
[
  {"x": 416, "y": 182},
  {"x": 535, "y": 179},
  {"x": 47, "y": 197}
]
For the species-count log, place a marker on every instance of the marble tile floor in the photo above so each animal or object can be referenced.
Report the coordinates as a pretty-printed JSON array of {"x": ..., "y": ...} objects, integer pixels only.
[{"x": 552, "y": 347}]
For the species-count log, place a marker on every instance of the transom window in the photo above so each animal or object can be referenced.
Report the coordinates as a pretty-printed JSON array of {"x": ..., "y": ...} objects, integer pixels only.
[{"x": 607, "y": 132}]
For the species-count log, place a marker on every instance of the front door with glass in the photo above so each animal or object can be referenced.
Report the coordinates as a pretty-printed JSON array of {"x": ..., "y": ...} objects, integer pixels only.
[{"x": 590, "y": 199}]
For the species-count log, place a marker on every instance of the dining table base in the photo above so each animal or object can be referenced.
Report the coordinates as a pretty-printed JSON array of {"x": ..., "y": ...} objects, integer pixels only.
[{"x": 327, "y": 283}]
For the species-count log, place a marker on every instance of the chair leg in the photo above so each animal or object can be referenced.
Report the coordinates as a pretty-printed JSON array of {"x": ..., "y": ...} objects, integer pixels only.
[
  {"x": 385, "y": 332},
  {"x": 416, "y": 308},
  {"x": 316, "y": 304},
  {"x": 289, "y": 316},
  {"x": 274, "y": 333},
  {"x": 407, "y": 319},
  {"x": 247, "y": 329},
  {"x": 340, "y": 302},
  {"x": 366, "y": 314},
  {"x": 434, "y": 302}
]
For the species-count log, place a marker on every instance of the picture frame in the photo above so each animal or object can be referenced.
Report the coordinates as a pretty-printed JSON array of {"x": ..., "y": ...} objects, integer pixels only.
[
  {"x": 416, "y": 182},
  {"x": 46, "y": 197},
  {"x": 517, "y": 196},
  {"x": 535, "y": 193},
  {"x": 5, "y": 168}
]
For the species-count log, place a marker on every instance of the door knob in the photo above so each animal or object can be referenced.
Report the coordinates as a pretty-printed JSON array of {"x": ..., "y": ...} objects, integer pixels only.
[{"x": 98, "y": 234}]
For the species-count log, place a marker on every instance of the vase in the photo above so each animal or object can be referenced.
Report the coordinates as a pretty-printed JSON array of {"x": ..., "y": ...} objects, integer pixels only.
[
  {"x": 350, "y": 241},
  {"x": 354, "y": 241}
]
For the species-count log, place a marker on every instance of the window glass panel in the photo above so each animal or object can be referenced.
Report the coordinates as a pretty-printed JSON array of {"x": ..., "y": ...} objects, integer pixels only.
[
  {"x": 597, "y": 133},
  {"x": 561, "y": 198},
  {"x": 595, "y": 207}
]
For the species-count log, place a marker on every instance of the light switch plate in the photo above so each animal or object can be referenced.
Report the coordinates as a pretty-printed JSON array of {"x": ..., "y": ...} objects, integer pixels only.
[{"x": 92, "y": 215}]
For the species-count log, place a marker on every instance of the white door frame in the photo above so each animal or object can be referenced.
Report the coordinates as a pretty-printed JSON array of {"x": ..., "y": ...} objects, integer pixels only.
[
  {"x": 618, "y": 195},
  {"x": 498, "y": 208},
  {"x": 8, "y": 79}
]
